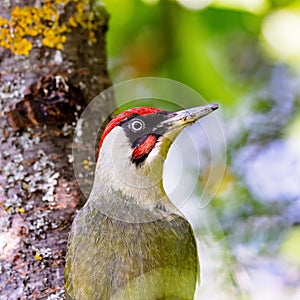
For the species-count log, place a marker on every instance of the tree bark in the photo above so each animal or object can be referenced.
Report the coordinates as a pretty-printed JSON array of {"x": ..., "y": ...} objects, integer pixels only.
[{"x": 41, "y": 93}]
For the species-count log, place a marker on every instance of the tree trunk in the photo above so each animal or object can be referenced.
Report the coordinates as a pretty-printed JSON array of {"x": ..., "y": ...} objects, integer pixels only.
[{"x": 50, "y": 69}]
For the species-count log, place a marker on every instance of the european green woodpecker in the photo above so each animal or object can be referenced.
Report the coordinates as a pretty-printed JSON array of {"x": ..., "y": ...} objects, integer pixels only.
[{"x": 129, "y": 241}]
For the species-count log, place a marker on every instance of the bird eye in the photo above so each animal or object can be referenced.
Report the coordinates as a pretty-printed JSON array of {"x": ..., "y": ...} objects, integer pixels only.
[{"x": 137, "y": 125}]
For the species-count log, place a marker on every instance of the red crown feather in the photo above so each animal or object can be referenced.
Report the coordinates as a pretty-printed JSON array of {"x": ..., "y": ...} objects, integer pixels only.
[{"x": 139, "y": 111}]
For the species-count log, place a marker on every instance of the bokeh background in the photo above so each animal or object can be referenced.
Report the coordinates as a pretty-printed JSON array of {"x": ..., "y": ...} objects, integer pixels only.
[{"x": 244, "y": 55}]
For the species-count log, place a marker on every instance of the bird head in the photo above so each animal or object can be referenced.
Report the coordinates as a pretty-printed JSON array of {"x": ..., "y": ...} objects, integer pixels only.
[{"x": 134, "y": 145}]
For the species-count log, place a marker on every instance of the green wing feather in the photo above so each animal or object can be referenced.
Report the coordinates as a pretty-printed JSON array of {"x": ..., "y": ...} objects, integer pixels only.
[{"x": 111, "y": 259}]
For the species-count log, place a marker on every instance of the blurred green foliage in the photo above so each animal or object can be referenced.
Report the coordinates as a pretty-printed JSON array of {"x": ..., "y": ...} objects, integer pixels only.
[{"x": 218, "y": 52}]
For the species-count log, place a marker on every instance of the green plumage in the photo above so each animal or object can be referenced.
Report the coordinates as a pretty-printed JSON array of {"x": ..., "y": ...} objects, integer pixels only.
[
  {"x": 129, "y": 242},
  {"x": 111, "y": 259}
]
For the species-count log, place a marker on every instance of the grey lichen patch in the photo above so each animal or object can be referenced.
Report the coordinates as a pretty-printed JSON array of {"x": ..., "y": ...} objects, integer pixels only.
[
  {"x": 13, "y": 204},
  {"x": 39, "y": 176},
  {"x": 27, "y": 140},
  {"x": 14, "y": 171},
  {"x": 70, "y": 158},
  {"x": 38, "y": 224},
  {"x": 10, "y": 90},
  {"x": 6, "y": 268},
  {"x": 41, "y": 255},
  {"x": 58, "y": 295},
  {"x": 28, "y": 178},
  {"x": 44, "y": 178},
  {"x": 67, "y": 129},
  {"x": 4, "y": 222}
]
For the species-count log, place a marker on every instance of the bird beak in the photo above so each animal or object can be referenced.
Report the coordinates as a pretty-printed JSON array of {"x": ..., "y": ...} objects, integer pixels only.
[{"x": 186, "y": 117}]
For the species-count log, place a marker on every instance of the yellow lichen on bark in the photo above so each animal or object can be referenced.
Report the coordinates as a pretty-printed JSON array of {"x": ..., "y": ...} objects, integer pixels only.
[{"x": 29, "y": 24}]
